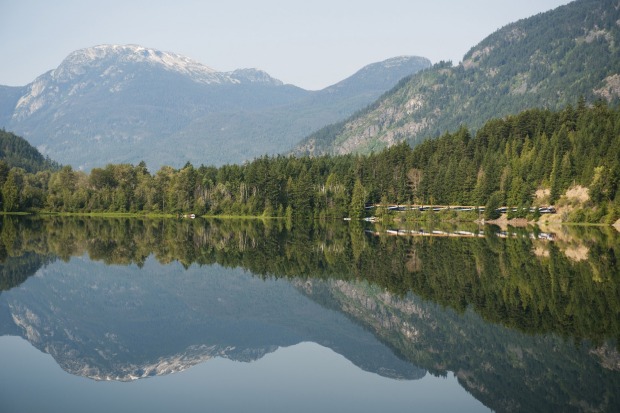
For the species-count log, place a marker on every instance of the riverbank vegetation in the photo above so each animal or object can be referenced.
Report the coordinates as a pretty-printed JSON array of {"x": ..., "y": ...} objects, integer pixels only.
[{"x": 532, "y": 158}]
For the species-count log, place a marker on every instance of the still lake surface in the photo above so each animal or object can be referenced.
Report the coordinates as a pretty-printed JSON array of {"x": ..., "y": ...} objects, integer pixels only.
[{"x": 194, "y": 315}]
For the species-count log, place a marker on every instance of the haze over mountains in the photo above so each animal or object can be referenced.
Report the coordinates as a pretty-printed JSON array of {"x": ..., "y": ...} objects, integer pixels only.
[
  {"x": 546, "y": 61},
  {"x": 124, "y": 104},
  {"x": 117, "y": 104}
]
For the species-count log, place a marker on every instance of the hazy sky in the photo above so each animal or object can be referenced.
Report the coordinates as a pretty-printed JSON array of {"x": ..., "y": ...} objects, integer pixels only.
[{"x": 309, "y": 43}]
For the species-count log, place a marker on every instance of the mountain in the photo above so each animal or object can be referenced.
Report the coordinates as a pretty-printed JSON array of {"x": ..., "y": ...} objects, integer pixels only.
[
  {"x": 548, "y": 61},
  {"x": 376, "y": 78},
  {"x": 124, "y": 104},
  {"x": 9, "y": 96}
]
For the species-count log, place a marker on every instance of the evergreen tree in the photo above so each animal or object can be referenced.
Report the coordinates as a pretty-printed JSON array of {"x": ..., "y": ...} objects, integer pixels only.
[
  {"x": 358, "y": 200},
  {"x": 490, "y": 210}
]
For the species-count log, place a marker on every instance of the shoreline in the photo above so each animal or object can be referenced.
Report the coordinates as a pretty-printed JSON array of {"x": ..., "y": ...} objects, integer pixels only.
[{"x": 502, "y": 222}]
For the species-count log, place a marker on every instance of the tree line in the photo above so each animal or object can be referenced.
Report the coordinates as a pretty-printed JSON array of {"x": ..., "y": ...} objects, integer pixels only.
[{"x": 503, "y": 164}]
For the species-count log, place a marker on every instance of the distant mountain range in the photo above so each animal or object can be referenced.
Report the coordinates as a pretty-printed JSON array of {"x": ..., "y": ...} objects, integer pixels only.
[
  {"x": 546, "y": 61},
  {"x": 118, "y": 104},
  {"x": 123, "y": 104}
]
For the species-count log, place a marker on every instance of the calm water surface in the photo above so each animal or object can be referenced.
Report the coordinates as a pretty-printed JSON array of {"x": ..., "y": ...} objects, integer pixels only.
[{"x": 120, "y": 315}]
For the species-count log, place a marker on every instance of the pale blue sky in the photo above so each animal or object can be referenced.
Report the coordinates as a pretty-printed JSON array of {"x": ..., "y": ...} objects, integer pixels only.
[{"x": 311, "y": 44}]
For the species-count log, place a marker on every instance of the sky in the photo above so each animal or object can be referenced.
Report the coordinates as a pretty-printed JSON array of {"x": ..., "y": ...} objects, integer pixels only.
[{"x": 311, "y": 44}]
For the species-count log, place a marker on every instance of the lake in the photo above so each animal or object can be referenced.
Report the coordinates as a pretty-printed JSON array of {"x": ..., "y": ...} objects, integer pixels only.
[{"x": 237, "y": 316}]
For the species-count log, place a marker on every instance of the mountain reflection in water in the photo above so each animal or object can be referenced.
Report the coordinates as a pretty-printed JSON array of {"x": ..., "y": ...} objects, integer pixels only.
[{"x": 526, "y": 324}]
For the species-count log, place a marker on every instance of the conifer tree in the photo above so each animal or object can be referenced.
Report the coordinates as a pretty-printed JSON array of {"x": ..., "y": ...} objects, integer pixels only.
[{"x": 358, "y": 199}]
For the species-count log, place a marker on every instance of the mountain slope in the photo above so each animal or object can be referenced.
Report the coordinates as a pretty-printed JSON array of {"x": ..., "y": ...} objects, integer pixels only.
[
  {"x": 113, "y": 104},
  {"x": 277, "y": 129},
  {"x": 9, "y": 95},
  {"x": 548, "y": 60},
  {"x": 116, "y": 104},
  {"x": 16, "y": 152}
]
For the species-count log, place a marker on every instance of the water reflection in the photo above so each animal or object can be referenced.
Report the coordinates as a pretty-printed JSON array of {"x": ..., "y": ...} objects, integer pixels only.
[
  {"x": 130, "y": 323},
  {"x": 526, "y": 324},
  {"x": 302, "y": 378}
]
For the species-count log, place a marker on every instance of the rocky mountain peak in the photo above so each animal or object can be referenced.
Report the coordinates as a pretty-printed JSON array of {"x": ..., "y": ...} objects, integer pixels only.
[
  {"x": 112, "y": 58},
  {"x": 384, "y": 74},
  {"x": 109, "y": 69},
  {"x": 253, "y": 75}
]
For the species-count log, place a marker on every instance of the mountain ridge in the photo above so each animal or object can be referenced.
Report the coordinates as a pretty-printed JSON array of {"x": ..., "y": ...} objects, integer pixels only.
[
  {"x": 548, "y": 60},
  {"x": 125, "y": 104},
  {"x": 78, "y": 61}
]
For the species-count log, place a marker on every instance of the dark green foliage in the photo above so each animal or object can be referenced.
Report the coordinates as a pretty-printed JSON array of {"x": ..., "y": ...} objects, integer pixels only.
[
  {"x": 502, "y": 165},
  {"x": 16, "y": 152},
  {"x": 358, "y": 200},
  {"x": 494, "y": 202},
  {"x": 10, "y": 191}
]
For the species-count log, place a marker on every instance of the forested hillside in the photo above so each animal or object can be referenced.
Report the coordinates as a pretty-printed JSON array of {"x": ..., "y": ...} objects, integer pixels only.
[
  {"x": 546, "y": 61},
  {"x": 505, "y": 163},
  {"x": 16, "y": 152},
  {"x": 513, "y": 157}
]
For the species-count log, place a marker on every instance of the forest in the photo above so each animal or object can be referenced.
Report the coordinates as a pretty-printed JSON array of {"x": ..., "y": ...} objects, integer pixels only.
[{"x": 503, "y": 164}]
